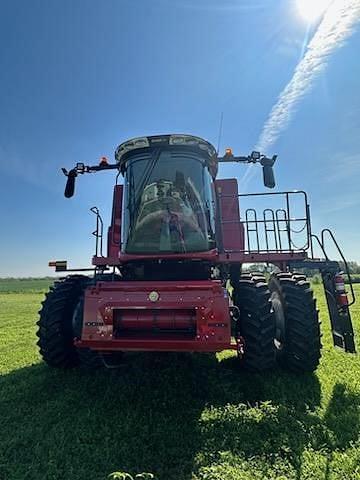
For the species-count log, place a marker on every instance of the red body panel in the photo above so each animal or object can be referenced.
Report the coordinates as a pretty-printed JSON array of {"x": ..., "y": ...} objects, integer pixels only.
[
  {"x": 232, "y": 228},
  {"x": 187, "y": 316}
]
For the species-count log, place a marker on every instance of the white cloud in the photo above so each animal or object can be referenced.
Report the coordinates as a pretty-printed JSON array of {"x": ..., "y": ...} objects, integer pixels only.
[{"x": 337, "y": 25}]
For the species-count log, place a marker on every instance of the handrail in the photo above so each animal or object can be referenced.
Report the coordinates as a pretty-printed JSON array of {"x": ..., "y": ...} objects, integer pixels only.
[
  {"x": 347, "y": 270},
  {"x": 321, "y": 243},
  {"x": 98, "y": 232},
  {"x": 313, "y": 235}
]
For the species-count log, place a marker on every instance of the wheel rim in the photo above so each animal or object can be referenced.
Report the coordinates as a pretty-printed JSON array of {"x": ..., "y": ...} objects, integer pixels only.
[{"x": 278, "y": 309}]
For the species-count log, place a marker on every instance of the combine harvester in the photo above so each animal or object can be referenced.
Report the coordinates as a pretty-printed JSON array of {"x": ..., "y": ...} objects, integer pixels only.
[{"x": 171, "y": 279}]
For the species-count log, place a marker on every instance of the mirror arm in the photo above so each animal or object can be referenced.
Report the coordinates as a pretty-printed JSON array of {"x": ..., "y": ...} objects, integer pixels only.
[
  {"x": 80, "y": 169},
  {"x": 260, "y": 158},
  {"x": 255, "y": 157},
  {"x": 232, "y": 158}
]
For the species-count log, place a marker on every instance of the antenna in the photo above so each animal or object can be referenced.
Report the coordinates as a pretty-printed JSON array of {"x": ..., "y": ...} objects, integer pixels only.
[{"x": 220, "y": 132}]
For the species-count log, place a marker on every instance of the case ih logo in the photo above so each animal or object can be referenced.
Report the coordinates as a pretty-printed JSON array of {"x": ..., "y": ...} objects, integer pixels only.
[{"x": 154, "y": 296}]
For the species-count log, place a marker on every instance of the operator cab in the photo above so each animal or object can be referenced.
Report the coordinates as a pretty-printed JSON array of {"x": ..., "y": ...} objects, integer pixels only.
[{"x": 169, "y": 200}]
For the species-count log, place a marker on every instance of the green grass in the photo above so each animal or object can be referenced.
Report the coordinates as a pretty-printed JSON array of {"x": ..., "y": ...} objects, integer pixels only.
[
  {"x": 180, "y": 417},
  {"x": 25, "y": 285}
]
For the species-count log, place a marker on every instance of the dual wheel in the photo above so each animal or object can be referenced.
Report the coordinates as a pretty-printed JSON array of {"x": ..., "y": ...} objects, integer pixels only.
[
  {"x": 278, "y": 322},
  {"x": 61, "y": 320}
]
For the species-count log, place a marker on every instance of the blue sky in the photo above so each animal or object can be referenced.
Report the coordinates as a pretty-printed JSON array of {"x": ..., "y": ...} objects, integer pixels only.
[{"x": 78, "y": 78}]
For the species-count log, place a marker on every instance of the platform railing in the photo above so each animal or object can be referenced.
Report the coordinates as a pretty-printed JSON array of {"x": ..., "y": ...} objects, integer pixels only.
[
  {"x": 274, "y": 230},
  {"x": 321, "y": 242},
  {"x": 98, "y": 232}
]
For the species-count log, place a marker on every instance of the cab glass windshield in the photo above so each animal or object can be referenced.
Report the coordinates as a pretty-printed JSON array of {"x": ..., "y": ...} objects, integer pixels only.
[{"x": 168, "y": 204}]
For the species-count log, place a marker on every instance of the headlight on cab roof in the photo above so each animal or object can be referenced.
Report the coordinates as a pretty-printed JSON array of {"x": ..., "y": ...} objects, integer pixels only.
[
  {"x": 140, "y": 142},
  {"x": 177, "y": 139},
  {"x": 174, "y": 139}
]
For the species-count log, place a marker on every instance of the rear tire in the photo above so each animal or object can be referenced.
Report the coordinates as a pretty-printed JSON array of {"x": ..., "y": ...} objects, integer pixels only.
[
  {"x": 55, "y": 330},
  {"x": 298, "y": 337},
  {"x": 256, "y": 324}
]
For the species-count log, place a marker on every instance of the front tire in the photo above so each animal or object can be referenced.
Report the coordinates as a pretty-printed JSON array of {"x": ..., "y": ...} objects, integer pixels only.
[
  {"x": 90, "y": 359},
  {"x": 298, "y": 337},
  {"x": 256, "y": 324},
  {"x": 55, "y": 330}
]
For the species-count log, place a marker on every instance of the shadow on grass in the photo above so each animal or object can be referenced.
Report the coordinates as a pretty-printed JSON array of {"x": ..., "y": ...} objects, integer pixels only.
[{"x": 165, "y": 414}]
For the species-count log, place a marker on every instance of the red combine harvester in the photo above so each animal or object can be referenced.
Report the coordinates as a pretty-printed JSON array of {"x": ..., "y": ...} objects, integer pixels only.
[{"x": 172, "y": 277}]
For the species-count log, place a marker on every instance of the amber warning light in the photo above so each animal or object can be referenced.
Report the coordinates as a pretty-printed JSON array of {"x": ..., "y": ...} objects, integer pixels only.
[{"x": 103, "y": 161}]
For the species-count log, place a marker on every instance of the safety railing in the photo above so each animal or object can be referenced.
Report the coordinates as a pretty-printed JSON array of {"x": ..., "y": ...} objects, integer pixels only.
[
  {"x": 280, "y": 223},
  {"x": 321, "y": 242},
  {"x": 98, "y": 232}
]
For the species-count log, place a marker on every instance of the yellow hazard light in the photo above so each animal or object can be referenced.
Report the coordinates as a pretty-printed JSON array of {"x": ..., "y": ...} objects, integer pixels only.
[{"x": 229, "y": 152}]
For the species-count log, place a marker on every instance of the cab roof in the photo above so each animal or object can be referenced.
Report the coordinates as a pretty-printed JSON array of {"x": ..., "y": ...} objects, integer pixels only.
[{"x": 159, "y": 141}]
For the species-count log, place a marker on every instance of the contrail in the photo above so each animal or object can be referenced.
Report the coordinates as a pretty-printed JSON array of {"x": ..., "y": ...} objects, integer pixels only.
[{"x": 336, "y": 26}]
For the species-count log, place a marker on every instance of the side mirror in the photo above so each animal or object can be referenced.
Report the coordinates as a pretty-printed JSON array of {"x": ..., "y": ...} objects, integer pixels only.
[
  {"x": 268, "y": 172},
  {"x": 70, "y": 183}
]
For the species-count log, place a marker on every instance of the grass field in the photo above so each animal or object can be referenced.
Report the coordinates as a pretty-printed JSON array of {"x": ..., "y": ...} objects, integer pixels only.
[
  {"x": 22, "y": 285},
  {"x": 180, "y": 417}
]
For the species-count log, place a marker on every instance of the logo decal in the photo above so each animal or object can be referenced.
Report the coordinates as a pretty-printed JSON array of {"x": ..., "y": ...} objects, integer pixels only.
[{"x": 154, "y": 296}]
